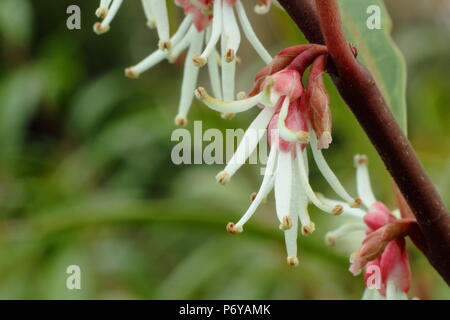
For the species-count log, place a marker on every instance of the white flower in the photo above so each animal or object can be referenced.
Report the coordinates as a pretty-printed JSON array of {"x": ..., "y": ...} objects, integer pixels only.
[
  {"x": 207, "y": 23},
  {"x": 289, "y": 131},
  {"x": 389, "y": 272}
]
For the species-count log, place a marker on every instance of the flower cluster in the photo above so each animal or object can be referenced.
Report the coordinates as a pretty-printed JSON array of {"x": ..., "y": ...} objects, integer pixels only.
[
  {"x": 383, "y": 248},
  {"x": 294, "y": 117},
  {"x": 206, "y": 23}
]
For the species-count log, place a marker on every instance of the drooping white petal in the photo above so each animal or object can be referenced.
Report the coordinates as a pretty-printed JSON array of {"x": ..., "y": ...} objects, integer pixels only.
[
  {"x": 147, "y": 5},
  {"x": 283, "y": 186},
  {"x": 266, "y": 187},
  {"x": 230, "y": 32},
  {"x": 250, "y": 141},
  {"x": 250, "y": 34},
  {"x": 189, "y": 79},
  {"x": 228, "y": 106},
  {"x": 309, "y": 191},
  {"x": 363, "y": 181},
  {"x": 159, "y": 9},
  {"x": 152, "y": 60},
  {"x": 213, "y": 70},
  {"x": 328, "y": 174},
  {"x": 228, "y": 73},
  {"x": 333, "y": 236},
  {"x": 301, "y": 199},
  {"x": 216, "y": 31}
]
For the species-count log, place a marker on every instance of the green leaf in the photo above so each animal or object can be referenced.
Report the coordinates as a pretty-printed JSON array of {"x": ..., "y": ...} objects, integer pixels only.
[{"x": 378, "y": 52}]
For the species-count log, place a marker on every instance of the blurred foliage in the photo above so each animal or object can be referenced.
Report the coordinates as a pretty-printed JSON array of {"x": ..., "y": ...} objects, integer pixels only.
[{"x": 86, "y": 176}]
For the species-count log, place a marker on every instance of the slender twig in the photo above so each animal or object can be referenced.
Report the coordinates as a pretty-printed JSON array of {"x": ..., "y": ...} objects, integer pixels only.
[{"x": 320, "y": 22}]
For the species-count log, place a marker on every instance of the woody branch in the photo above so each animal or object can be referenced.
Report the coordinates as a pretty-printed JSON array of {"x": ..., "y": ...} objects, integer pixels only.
[{"x": 320, "y": 22}]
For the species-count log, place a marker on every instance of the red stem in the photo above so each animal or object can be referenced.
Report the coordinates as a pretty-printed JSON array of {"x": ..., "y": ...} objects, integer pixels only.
[{"x": 358, "y": 88}]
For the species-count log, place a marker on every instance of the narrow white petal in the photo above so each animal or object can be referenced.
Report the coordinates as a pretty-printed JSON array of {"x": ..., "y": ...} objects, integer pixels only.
[
  {"x": 347, "y": 210},
  {"x": 228, "y": 73},
  {"x": 228, "y": 106},
  {"x": 230, "y": 31},
  {"x": 363, "y": 181},
  {"x": 250, "y": 34},
  {"x": 215, "y": 34},
  {"x": 333, "y": 236},
  {"x": 309, "y": 191},
  {"x": 300, "y": 201},
  {"x": 190, "y": 77},
  {"x": 159, "y": 9},
  {"x": 283, "y": 185},
  {"x": 250, "y": 140},
  {"x": 153, "y": 59},
  {"x": 327, "y": 173},
  {"x": 266, "y": 187}
]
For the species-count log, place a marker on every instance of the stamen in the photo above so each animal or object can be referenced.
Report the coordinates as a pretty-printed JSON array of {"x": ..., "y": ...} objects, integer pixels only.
[
  {"x": 290, "y": 238},
  {"x": 329, "y": 175},
  {"x": 335, "y": 210},
  {"x": 363, "y": 181},
  {"x": 250, "y": 34}
]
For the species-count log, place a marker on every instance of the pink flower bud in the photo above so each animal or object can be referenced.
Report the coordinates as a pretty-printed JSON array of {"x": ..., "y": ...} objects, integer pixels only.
[{"x": 318, "y": 102}]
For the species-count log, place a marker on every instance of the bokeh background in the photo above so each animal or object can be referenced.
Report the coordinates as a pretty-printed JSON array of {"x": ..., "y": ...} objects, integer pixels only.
[{"x": 86, "y": 176}]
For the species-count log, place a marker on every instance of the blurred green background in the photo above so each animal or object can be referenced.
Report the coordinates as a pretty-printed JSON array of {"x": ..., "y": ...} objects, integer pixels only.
[{"x": 86, "y": 176}]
